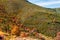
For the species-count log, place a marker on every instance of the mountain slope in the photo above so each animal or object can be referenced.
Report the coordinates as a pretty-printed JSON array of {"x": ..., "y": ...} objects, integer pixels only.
[
  {"x": 57, "y": 10},
  {"x": 46, "y": 20}
]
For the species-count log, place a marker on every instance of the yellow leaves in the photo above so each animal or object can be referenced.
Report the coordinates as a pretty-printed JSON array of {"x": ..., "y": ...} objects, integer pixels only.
[
  {"x": 2, "y": 33},
  {"x": 14, "y": 29}
]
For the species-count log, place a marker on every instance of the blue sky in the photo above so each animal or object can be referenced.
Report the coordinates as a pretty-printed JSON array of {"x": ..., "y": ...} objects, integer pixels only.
[{"x": 47, "y": 3}]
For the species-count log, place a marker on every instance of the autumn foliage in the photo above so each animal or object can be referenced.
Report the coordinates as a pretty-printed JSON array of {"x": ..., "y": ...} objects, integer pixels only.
[
  {"x": 15, "y": 29},
  {"x": 57, "y": 36}
]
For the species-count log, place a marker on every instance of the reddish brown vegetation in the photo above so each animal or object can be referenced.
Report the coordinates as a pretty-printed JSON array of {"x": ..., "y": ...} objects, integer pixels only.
[
  {"x": 24, "y": 34},
  {"x": 2, "y": 9},
  {"x": 58, "y": 36}
]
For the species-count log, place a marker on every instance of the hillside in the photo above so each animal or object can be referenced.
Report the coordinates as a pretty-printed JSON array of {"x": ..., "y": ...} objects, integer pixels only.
[
  {"x": 46, "y": 20},
  {"x": 57, "y": 10}
]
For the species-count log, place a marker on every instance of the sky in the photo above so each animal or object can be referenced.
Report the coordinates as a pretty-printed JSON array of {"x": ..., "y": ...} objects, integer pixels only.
[{"x": 47, "y": 3}]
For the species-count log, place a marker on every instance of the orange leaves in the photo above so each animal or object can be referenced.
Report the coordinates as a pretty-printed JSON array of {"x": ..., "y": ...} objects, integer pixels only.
[
  {"x": 24, "y": 34},
  {"x": 14, "y": 29},
  {"x": 1, "y": 20}
]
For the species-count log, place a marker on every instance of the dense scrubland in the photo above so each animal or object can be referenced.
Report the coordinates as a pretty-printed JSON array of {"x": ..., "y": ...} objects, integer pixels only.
[{"x": 20, "y": 17}]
